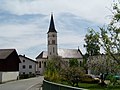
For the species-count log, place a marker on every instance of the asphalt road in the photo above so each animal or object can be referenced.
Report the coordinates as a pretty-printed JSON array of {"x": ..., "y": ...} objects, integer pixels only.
[{"x": 26, "y": 84}]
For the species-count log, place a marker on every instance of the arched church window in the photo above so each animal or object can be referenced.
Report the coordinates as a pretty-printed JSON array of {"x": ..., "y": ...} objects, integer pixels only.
[
  {"x": 40, "y": 64},
  {"x": 80, "y": 63},
  {"x": 53, "y": 50}
]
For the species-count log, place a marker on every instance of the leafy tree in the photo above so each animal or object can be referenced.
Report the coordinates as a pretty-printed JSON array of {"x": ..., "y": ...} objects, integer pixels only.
[
  {"x": 73, "y": 75},
  {"x": 109, "y": 39},
  {"x": 92, "y": 43},
  {"x": 73, "y": 62},
  {"x": 85, "y": 59},
  {"x": 53, "y": 68},
  {"x": 110, "y": 36},
  {"x": 92, "y": 46},
  {"x": 104, "y": 65}
]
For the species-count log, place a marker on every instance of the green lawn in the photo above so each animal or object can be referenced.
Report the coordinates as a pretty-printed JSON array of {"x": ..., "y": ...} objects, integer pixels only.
[
  {"x": 98, "y": 87},
  {"x": 95, "y": 86}
]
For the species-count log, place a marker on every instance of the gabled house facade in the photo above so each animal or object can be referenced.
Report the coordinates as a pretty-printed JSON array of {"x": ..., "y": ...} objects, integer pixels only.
[
  {"x": 27, "y": 65},
  {"x": 9, "y": 65}
]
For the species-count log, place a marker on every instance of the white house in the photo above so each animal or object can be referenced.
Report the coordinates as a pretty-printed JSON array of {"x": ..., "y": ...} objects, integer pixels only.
[
  {"x": 27, "y": 65},
  {"x": 52, "y": 50}
]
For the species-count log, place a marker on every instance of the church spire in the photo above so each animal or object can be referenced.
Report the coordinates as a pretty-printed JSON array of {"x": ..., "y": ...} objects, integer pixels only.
[{"x": 52, "y": 26}]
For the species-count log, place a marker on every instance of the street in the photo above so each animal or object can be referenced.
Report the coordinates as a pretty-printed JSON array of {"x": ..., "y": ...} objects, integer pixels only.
[{"x": 26, "y": 84}]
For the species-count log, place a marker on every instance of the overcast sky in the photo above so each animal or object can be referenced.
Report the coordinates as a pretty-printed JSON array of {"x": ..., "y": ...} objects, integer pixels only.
[{"x": 24, "y": 23}]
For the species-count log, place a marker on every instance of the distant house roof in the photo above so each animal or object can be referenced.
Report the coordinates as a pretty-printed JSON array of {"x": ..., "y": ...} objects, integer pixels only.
[
  {"x": 23, "y": 56},
  {"x": 64, "y": 53},
  {"x": 4, "y": 53}
]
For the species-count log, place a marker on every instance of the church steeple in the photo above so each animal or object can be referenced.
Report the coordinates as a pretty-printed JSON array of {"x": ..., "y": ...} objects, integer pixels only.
[
  {"x": 52, "y": 39},
  {"x": 52, "y": 26}
]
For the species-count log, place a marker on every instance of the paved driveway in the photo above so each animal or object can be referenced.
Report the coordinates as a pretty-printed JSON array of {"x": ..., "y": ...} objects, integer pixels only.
[{"x": 26, "y": 84}]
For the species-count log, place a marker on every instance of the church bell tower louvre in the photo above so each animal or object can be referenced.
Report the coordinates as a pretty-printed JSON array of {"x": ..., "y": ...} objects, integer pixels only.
[{"x": 52, "y": 39}]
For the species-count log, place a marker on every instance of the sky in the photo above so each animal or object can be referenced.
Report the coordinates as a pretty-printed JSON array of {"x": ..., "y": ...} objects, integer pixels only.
[{"x": 24, "y": 23}]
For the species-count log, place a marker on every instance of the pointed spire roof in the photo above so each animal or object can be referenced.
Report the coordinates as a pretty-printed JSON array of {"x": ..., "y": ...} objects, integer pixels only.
[{"x": 52, "y": 26}]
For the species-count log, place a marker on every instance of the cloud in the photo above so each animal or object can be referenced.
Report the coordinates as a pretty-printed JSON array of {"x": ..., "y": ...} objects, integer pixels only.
[
  {"x": 71, "y": 22},
  {"x": 91, "y": 10},
  {"x": 8, "y": 18},
  {"x": 21, "y": 37}
]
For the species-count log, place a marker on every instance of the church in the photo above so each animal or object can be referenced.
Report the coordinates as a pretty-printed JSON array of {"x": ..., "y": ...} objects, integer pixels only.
[{"x": 52, "y": 50}]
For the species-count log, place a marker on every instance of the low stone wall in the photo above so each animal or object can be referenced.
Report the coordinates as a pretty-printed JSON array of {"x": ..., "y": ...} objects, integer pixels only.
[
  {"x": 54, "y": 86},
  {"x": 8, "y": 76}
]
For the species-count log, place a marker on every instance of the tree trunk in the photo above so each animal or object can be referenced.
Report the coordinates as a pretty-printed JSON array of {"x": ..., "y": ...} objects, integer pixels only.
[
  {"x": 102, "y": 77},
  {"x": 102, "y": 83}
]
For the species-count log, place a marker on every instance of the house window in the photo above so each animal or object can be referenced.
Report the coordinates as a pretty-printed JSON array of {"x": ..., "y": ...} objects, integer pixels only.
[
  {"x": 23, "y": 60},
  {"x": 53, "y": 35},
  {"x": 40, "y": 64},
  {"x": 23, "y": 66},
  {"x": 23, "y": 72},
  {"x": 53, "y": 41},
  {"x": 30, "y": 66}
]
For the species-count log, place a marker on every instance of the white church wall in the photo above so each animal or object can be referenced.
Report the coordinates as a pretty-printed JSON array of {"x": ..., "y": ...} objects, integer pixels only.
[
  {"x": 52, "y": 44},
  {"x": 41, "y": 68}
]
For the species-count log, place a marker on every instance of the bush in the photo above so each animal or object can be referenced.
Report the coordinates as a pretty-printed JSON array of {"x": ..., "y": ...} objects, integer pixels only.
[
  {"x": 88, "y": 79},
  {"x": 25, "y": 76},
  {"x": 52, "y": 76},
  {"x": 31, "y": 75}
]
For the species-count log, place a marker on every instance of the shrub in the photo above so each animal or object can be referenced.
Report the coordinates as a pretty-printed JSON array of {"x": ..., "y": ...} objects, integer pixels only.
[
  {"x": 72, "y": 75},
  {"x": 53, "y": 68},
  {"x": 88, "y": 79},
  {"x": 25, "y": 76}
]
